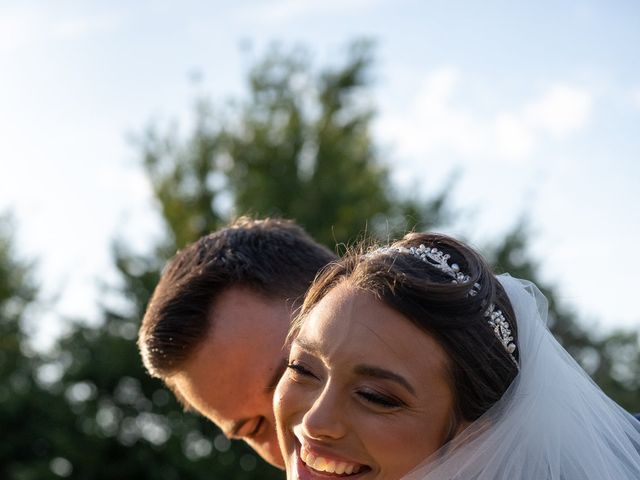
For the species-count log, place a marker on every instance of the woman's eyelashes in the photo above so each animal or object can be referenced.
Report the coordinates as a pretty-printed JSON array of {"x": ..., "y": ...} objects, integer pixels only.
[
  {"x": 369, "y": 396},
  {"x": 380, "y": 400},
  {"x": 299, "y": 369}
]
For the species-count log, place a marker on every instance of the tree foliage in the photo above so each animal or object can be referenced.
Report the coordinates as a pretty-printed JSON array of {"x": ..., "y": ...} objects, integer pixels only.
[
  {"x": 299, "y": 146},
  {"x": 22, "y": 402}
]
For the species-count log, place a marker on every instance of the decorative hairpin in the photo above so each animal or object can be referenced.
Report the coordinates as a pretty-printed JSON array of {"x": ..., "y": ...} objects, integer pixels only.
[{"x": 437, "y": 259}]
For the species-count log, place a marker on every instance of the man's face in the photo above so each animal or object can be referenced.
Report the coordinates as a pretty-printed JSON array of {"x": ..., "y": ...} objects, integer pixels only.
[{"x": 231, "y": 377}]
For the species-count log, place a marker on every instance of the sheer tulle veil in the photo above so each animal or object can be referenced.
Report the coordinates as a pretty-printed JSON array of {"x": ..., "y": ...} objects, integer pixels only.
[{"x": 553, "y": 423}]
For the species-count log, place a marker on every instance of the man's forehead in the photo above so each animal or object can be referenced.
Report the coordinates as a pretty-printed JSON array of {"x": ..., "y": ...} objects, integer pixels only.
[
  {"x": 215, "y": 390},
  {"x": 242, "y": 315},
  {"x": 203, "y": 398}
]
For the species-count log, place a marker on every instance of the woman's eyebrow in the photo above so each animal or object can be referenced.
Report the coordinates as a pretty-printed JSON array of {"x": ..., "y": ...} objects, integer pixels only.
[
  {"x": 377, "y": 372},
  {"x": 307, "y": 345},
  {"x": 361, "y": 369}
]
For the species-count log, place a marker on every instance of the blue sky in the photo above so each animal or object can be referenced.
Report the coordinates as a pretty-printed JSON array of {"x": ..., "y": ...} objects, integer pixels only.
[{"x": 537, "y": 104}]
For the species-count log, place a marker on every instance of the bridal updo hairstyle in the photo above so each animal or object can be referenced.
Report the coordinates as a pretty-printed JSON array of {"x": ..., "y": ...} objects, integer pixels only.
[{"x": 480, "y": 368}]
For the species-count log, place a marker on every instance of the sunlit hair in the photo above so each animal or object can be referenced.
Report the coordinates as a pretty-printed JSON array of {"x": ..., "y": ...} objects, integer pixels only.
[{"x": 480, "y": 369}]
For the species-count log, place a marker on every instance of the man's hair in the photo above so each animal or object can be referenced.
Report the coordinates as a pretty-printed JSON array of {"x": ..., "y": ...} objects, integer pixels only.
[{"x": 271, "y": 257}]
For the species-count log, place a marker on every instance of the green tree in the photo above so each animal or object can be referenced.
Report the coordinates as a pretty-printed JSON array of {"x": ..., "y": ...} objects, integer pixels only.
[
  {"x": 22, "y": 401},
  {"x": 300, "y": 146}
]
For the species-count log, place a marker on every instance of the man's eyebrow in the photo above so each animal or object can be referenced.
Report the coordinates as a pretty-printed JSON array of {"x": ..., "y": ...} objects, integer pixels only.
[
  {"x": 277, "y": 374},
  {"x": 377, "y": 372}
]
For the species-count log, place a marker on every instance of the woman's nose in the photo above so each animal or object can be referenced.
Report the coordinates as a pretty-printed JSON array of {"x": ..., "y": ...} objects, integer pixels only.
[{"x": 326, "y": 417}]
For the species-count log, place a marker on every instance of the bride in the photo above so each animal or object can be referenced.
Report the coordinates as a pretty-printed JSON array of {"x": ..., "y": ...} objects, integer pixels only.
[{"x": 414, "y": 361}]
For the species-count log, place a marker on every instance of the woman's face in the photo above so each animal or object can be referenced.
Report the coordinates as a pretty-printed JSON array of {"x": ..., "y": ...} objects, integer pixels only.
[{"x": 365, "y": 395}]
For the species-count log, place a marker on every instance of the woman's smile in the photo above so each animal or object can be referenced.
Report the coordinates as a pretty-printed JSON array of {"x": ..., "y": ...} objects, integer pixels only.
[{"x": 315, "y": 462}]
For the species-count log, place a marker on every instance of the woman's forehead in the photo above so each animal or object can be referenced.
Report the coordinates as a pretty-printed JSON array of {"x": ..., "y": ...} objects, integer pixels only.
[
  {"x": 344, "y": 310},
  {"x": 352, "y": 323}
]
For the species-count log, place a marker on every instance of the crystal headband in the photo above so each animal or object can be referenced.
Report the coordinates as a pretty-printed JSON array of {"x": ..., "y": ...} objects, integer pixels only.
[{"x": 438, "y": 259}]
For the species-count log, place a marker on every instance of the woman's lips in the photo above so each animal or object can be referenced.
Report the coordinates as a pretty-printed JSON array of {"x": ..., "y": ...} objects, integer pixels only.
[
  {"x": 315, "y": 465},
  {"x": 328, "y": 465}
]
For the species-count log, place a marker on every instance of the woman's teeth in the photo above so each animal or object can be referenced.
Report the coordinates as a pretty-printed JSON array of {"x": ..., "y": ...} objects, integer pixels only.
[{"x": 321, "y": 464}]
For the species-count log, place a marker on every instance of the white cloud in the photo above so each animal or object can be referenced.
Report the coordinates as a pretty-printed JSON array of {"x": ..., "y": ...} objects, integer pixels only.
[
  {"x": 514, "y": 138},
  {"x": 635, "y": 97},
  {"x": 18, "y": 27},
  {"x": 81, "y": 25},
  {"x": 24, "y": 26},
  {"x": 435, "y": 123},
  {"x": 561, "y": 111},
  {"x": 287, "y": 10}
]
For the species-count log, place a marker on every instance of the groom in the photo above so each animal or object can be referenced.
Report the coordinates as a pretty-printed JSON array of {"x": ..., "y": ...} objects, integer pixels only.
[{"x": 216, "y": 323}]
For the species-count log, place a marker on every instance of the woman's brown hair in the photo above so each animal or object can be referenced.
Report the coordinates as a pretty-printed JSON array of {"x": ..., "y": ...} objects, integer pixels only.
[{"x": 480, "y": 367}]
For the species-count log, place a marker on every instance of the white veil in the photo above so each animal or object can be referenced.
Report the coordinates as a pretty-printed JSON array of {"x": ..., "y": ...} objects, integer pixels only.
[{"x": 553, "y": 423}]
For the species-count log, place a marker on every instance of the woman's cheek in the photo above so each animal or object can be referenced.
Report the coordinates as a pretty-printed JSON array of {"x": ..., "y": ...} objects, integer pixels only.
[
  {"x": 279, "y": 400},
  {"x": 286, "y": 402}
]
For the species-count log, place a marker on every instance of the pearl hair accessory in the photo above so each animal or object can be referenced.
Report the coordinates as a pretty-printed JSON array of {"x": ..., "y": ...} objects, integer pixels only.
[{"x": 440, "y": 260}]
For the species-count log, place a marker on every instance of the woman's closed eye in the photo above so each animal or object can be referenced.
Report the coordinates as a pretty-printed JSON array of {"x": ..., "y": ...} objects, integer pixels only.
[
  {"x": 380, "y": 400},
  {"x": 299, "y": 369}
]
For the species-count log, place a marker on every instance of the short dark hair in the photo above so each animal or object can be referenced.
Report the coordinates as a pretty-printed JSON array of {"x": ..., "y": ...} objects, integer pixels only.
[
  {"x": 272, "y": 257},
  {"x": 480, "y": 368}
]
